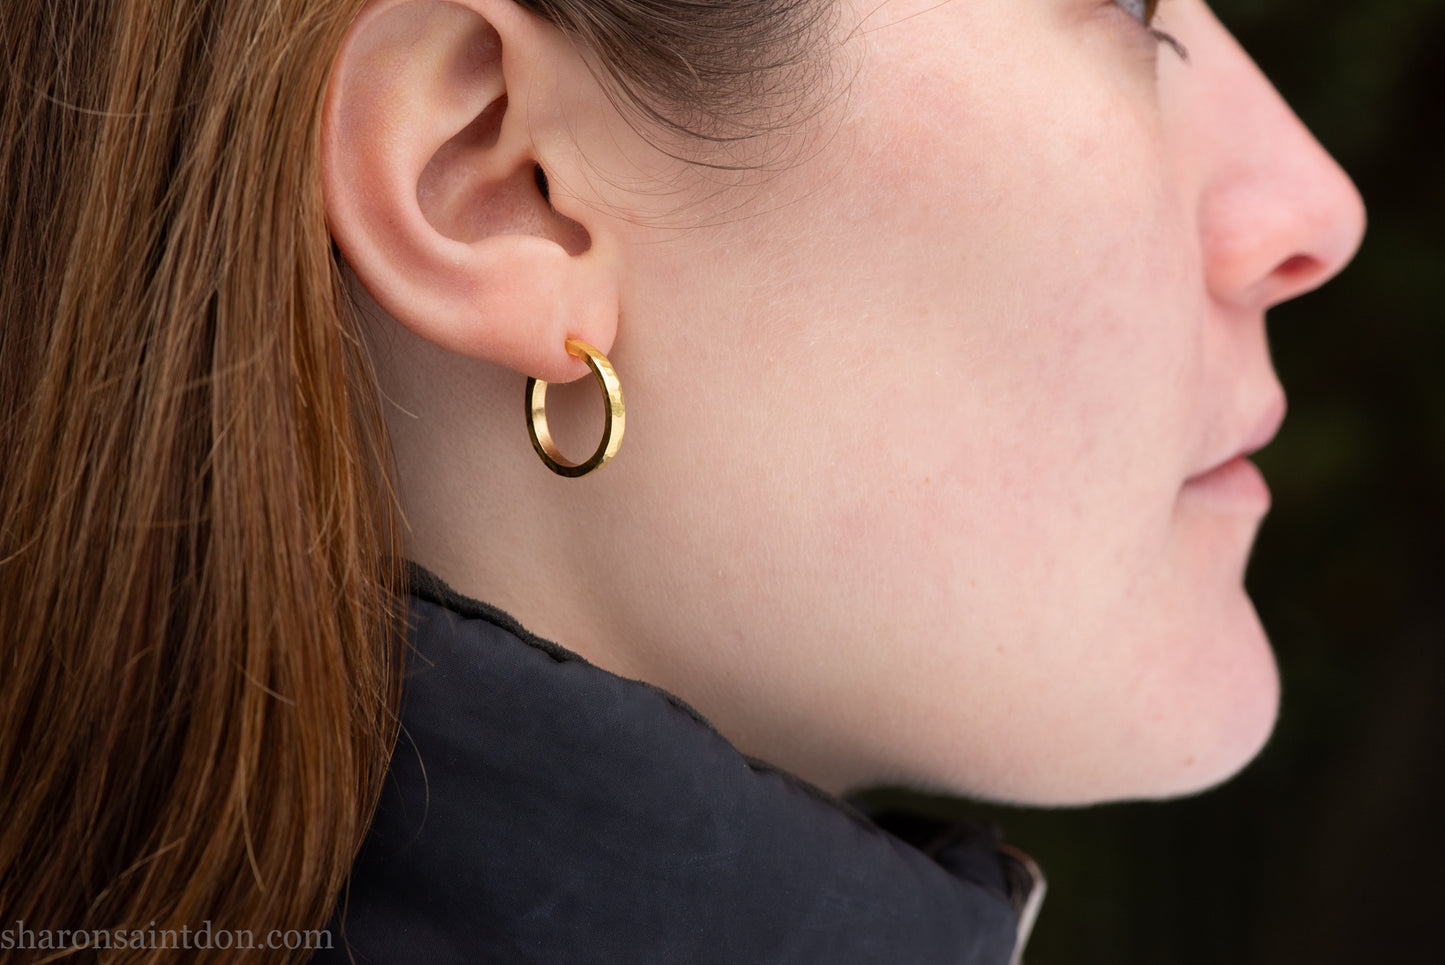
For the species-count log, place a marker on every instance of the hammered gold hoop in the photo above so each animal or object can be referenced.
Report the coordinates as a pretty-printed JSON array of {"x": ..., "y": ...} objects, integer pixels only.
[{"x": 615, "y": 415}]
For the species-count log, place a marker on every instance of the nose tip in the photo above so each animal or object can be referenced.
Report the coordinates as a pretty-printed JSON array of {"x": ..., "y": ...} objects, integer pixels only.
[
  {"x": 1331, "y": 215},
  {"x": 1333, "y": 227},
  {"x": 1344, "y": 233},
  {"x": 1278, "y": 217},
  {"x": 1282, "y": 234}
]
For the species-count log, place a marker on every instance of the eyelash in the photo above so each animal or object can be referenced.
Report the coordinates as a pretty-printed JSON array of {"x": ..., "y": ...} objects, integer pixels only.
[{"x": 1144, "y": 11}]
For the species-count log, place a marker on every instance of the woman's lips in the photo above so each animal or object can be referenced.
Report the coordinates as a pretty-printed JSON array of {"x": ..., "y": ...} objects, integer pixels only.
[{"x": 1237, "y": 482}]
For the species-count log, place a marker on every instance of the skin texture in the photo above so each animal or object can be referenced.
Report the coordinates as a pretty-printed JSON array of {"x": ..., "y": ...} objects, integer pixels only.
[{"x": 915, "y": 421}]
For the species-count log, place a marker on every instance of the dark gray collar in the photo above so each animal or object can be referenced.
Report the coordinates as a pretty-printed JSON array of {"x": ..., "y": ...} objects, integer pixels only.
[{"x": 540, "y": 809}]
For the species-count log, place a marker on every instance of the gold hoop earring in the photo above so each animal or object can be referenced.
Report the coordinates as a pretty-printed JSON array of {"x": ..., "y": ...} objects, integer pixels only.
[{"x": 615, "y": 415}]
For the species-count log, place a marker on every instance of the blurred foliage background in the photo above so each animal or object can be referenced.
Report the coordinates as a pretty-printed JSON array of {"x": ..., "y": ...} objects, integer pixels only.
[{"x": 1326, "y": 849}]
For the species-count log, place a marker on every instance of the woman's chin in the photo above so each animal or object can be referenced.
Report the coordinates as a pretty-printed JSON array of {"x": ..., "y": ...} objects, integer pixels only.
[
  {"x": 1210, "y": 721},
  {"x": 1226, "y": 743},
  {"x": 1183, "y": 727}
]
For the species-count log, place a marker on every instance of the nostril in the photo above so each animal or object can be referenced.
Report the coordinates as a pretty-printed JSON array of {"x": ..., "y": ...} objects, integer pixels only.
[{"x": 1298, "y": 267}]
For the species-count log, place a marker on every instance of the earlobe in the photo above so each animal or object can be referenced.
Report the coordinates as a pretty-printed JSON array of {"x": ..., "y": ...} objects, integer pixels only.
[{"x": 430, "y": 174}]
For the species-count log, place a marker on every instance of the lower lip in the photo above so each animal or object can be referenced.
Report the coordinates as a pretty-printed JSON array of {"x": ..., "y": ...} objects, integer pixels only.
[{"x": 1238, "y": 482}]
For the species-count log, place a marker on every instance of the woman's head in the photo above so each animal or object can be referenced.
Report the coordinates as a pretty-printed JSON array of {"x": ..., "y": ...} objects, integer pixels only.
[
  {"x": 920, "y": 477},
  {"x": 927, "y": 316}
]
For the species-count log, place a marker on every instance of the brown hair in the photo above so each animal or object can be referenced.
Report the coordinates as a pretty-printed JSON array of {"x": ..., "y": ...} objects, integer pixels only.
[{"x": 198, "y": 559}]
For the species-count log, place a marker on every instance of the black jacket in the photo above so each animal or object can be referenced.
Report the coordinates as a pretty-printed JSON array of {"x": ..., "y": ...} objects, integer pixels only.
[{"x": 540, "y": 809}]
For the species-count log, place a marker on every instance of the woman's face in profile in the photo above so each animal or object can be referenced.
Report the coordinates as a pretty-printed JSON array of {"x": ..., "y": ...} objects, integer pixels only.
[
  {"x": 933, "y": 468},
  {"x": 935, "y": 461}
]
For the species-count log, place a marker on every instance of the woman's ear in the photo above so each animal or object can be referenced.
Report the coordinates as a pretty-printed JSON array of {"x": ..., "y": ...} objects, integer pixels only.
[{"x": 434, "y": 193}]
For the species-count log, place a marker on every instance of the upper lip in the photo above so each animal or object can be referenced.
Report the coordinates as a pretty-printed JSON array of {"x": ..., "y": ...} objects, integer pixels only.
[{"x": 1259, "y": 433}]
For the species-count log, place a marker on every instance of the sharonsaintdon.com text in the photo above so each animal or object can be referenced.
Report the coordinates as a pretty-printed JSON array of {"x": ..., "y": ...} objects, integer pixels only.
[{"x": 22, "y": 938}]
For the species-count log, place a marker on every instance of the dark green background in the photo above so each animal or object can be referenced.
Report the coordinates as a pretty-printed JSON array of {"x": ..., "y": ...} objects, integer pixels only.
[{"x": 1327, "y": 849}]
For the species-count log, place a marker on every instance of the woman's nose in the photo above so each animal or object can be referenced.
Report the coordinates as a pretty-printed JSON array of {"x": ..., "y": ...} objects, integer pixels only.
[{"x": 1278, "y": 217}]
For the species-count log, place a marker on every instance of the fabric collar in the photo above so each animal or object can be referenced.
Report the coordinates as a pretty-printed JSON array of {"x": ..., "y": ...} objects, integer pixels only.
[{"x": 540, "y": 809}]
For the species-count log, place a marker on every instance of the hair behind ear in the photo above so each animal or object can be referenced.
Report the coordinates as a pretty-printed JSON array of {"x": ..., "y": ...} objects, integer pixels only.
[{"x": 197, "y": 565}]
